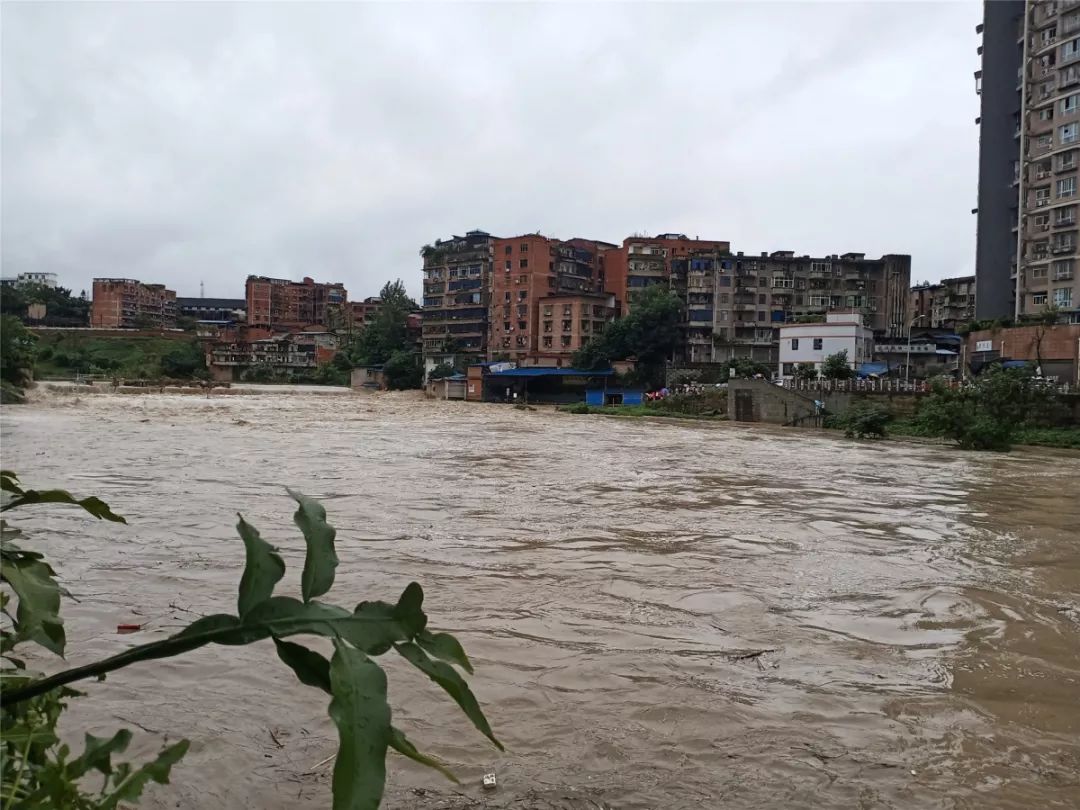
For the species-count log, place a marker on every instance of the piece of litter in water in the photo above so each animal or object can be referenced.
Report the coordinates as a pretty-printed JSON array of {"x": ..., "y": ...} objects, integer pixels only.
[
  {"x": 128, "y": 628},
  {"x": 489, "y": 781}
]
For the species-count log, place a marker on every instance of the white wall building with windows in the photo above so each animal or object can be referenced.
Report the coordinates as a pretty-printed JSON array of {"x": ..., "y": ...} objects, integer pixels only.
[{"x": 813, "y": 342}]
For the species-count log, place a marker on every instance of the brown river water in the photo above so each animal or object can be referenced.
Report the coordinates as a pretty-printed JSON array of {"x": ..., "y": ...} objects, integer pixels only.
[{"x": 661, "y": 614}]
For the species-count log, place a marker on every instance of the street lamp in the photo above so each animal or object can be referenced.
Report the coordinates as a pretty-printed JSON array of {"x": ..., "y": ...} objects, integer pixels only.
[{"x": 907, "y": 364}]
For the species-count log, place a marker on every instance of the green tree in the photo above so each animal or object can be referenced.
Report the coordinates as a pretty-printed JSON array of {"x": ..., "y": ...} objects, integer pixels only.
[
  {"x": 987, "y": 414},
  {"x": 835, "y": 367},
  {"x": 805, "y": 372},
  {"x": 184, "y": 360},
  {"x": 388, "y": 331},
  {"x": 403, "y": 370},
  {"x": 17, "y": 350},
  {"x": 60, "y": 305},
  {"x": 649, "y": 334},
  {"x": 442, "y": 371},
  {"x": 747, "y": 368}
]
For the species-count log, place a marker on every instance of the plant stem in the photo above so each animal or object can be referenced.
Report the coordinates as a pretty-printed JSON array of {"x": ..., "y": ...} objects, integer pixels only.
[{"x": 18, "y": 774}]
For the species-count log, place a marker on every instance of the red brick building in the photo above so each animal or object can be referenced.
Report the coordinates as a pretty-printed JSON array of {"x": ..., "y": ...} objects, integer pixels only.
[
  {"x": 643, "y": 261},
  {"x": 126, "y": 303},
  {"x": 362, "y": 312},
  {"x": 283, "y": 304},
  {"x": 1056, "y": 347},
  {"x": 528, "y": 270}
]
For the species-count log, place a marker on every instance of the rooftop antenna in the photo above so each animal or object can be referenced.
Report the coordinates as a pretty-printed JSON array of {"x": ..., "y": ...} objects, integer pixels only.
[{"x": 202, "y": 290}]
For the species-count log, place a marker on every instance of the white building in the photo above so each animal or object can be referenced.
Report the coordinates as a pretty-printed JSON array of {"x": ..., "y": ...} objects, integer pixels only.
[
  {"x": 48, "y": 279},
  {"x": 813, "y": 342}
]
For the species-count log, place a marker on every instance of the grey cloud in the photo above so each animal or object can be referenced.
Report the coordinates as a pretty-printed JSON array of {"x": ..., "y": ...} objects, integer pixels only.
[{"x": 188, "y": 142}]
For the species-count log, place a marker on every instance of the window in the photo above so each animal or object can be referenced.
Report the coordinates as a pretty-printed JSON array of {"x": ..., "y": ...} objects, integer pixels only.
[
  {"x": 523, "y": 263},
  {"x": 508, "y": 265},
  {"x": 507, "y": 298},
  {"x": 1070, "y": 75},
  {"x": 1038, "y": 299},
  {"x": 1067, "y": 161},
  {"x": 1065, "y": 241},
  {"x": 761, "y": 316},
  {"x": 567, "y": 310},
  {"x": 1042, "y": 195},
  {"x": 508, "y": 249},
  {"x": 1045, "y": 141},
  {"x": 1066, "y": 187},
  {"x": 783, "y": 281},
  {"x": 1063, "y": 270},
  {"x": 1063, "y": 297},
  {"x": 585, "y": 326},
  {"x": 524, "y": 247},
  {"x": 1067, "y": 133},
  {"x": 567, "y": 325},
  {"x": 1069, "y": 104},
  {"x": 820, "y": 267},
  {"x": 522, "y": 295},
  {"x": 723, "y": 298},
  {"x": 1065, "y": 216},
  {"x": 1070, "y": 51},
  {"x": 523, "y": 325},
  {"x": 1070, "y": 23},
  {"x": 794, "y": 344},
  {"x": 547, "y": 311},
  {"x": 1046, "y": 114},
  {"x": 564, "y": 341},
  {"x": 1042, "y": 220},
  {"x": 598, "y": 327},
  {"x": 506, "y": 326},
  {"x": 547, "y": 343},
  {"x": 547, "y": 326},
  {"x": 721, "y": 315},
  {"x": 1038, "y": 272},
  {"x": 817, "y": 344}
]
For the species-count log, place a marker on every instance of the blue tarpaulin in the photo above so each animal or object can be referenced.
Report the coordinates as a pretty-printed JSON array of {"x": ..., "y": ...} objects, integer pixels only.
[
  {"x": 547, "y": 371},
  {"x": 866, "y": 369}
]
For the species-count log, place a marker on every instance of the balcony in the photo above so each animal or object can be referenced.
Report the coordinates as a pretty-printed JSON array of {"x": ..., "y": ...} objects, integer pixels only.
[
  {"x": 1063, "y": 275},
  {"x": 1063, "y": 223}
]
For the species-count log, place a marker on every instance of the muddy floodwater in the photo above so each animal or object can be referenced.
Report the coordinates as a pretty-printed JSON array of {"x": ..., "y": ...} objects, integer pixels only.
[{"x": 661, "y": 614}]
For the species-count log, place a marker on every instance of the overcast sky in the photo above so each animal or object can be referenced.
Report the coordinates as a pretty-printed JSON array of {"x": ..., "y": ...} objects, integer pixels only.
[{"x": 191, "y": 142}]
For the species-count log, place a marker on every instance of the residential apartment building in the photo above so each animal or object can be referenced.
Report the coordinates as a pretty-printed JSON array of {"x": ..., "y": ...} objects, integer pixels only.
[
  {"x": 534, "y": 276},
  {"x": 221, "y": 310},
  {"x": 813, "y": 342},
  {"x": 361, "y": 312},
  {"x": 949, "y": 304},
  {"x": 126, "y": 303},
  {"x": 278, "y": 303},
  {"x": 735, "y": 304},
  {"x": 457, "y": 293},
  {"x": 1029, "y": 162},
  {"x": 295, "y": 352},
  {"x": 643, "y": 261},
  {"x": 45, "y": 279}
]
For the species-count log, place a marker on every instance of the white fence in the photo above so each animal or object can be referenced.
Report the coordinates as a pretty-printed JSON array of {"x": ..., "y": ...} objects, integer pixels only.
[{"x": 892, "y": 386}]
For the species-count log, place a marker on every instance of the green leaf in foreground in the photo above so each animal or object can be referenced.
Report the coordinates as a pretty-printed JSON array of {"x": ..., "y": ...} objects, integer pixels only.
[
  {"x": 312, "y": 669},
  {"x": 362, "y": 716},
  {"x": 95, "y": 506},
  {"x": 128, "y": 784},
  {"x": 445, "y": 647},
  {"x": 400, "y": 743},
  {"x": 263, "y": 568},
  {"x": 321, "y": 558},
  {"x": 452, "y": 683},
  {"x": 38, "y": 615}
]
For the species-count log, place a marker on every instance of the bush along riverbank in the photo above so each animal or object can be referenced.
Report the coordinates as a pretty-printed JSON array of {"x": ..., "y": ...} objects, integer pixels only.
[
  {"x": 1000, "y": 408},
  {"x": 710, "y": 404}
]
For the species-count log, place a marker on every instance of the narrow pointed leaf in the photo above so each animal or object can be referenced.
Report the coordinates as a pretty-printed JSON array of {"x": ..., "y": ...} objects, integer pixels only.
[
  {"x": 454, "y": 685},
  {"x": 129, "y": 788},
  {"x": 97, "y": 755},
  {"x": 263, "y": 568},
  {"x": 373, "y": 627},
  {"x": 95, "y": 506},
  {"x": 321, "y": 558},
  {"x": 444, "y": 646},
  {"x": 400, "y": 743},
  {"x": 310, "y": 667},
  {"x": 38, "y": 615},
  {"x": 362, "y": 716},
  {"x": 9, "y": 482}
]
